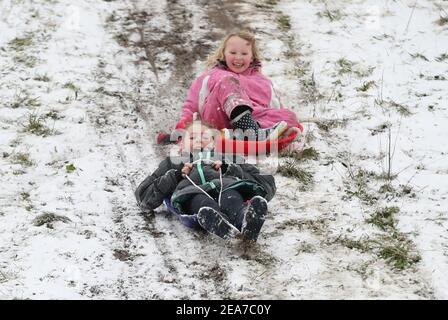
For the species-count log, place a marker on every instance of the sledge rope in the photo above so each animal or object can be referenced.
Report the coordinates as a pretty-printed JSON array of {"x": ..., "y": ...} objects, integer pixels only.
[{"x": 220, "y": 188}]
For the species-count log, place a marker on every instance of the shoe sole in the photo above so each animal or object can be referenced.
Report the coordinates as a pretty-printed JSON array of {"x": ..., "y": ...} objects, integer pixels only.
[
  {"x": 212, "y": 221},
  {"x": 254, "y": 218}
]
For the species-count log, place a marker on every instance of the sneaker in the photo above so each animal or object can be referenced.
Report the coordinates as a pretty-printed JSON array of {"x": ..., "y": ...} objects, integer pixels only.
[
  {"x": 214, "y": 222},
  {"x": 274, "y": 132},
  {"x": 254, "y": 218}
]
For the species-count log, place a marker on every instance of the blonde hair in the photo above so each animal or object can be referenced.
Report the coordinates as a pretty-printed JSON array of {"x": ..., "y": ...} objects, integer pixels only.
[{"x": 219, "y": 53}]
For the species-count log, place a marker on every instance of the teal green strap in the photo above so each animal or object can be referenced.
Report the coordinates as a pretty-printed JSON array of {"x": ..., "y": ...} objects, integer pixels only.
[
  {"x": 201, "y": 172},
  {"x": 212, "y": 184}
]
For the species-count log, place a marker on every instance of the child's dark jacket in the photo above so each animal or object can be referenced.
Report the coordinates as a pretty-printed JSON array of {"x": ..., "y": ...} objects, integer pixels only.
[{"x": 167, "y": 181}]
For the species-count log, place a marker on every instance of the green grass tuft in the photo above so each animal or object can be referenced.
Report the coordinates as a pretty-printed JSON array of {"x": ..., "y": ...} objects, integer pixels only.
[
  {"x": 70, "y": 168},
  {"x": 332, "y": 15},
  {"x": 48, "y": 218},
  {"x": 419, "y": 56},
  {"x": 284, "y": 22},
  {"x": 36, "y": 125},
  {"x": 442, "y": 57},
  {"x": 22, "y": 158},
  {"x": 384, "y": 218},
  {"x": 291, "y": 169},
  {"x": 20, "y": 44},
  {"x": 366, "y": 86},
  {"x": 43, "y": 78}
]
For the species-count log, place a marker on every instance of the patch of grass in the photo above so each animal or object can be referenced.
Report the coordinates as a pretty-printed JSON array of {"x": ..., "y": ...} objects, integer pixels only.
[
  {"x": 344, "y": 66},
  {"x": 442, "y": 57},
  {"x": 310, "y": 92},
  {"x": 22, "y": 158},
  {"x": 291, "y": 169},
  {"x": 384, "y": 218},
  {"x": 20, "y": 44},
  {"x": 284, "y": 22},
  {"x": 18, "y": 172},
  {"x": 305, "y": 248},
  {"x": 442, "y": 21},
  {"x": 316, "y": 226},
  {"x": 332, "y": 15},
  {"x": 363, "y": 72},
  {"x": 357, "y": 186},
  {"x": 366, "y": 86},
  {"x": 305, "y": 154},
  {"x": 418, "y": 56},
  {"x": 399, "y": 255},
  {"x": 387, "y": 188},
  {"x": 25, "y": 196},
  {"x": 398, "y": 107},
  {"x": 405, "y": 190},
  {"x": 53, "y": 114},
  {"x": 70, "y": 168},
  {"x": 381, "y": 128},
  {"x": 36, "y": 125},
  {"x": 3, "y": 277},
  {"x": 437, "y": 77},
  {"x": 360, "y": 245},
  {"x": 26, "y": 60},
  {"x": 24, "y": 99},
  {"x": 48, "y": 219},
  {"x": 395, "y": 249},
  {"x": 43, "y": 78},
  {"x": 71, "y": 86},
  {"x": 327, "y": 125},
  {"x": 15, "y": 142}
]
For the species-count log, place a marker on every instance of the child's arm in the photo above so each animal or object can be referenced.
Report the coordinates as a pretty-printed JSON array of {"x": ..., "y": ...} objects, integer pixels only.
[
  {"x": 251, "y": 172},
  {"x": 190, "y": 105},
  {"x": 159, "y": 185}
]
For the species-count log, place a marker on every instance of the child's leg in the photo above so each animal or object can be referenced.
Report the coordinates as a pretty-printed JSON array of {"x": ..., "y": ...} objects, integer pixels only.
[
  {"x": 225, "y": 96},
  {"x": 199, "y": 201},
  {"x": 232, "y": 204},
  {"x": 241, "y": 118}
]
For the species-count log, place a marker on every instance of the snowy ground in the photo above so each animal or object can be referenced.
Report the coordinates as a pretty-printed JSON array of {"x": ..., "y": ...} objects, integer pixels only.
[{"x": 84, "y": 88}]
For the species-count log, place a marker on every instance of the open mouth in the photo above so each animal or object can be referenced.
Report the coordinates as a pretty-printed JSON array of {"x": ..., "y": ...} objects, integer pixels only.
[{"x": 238, "y": 65}]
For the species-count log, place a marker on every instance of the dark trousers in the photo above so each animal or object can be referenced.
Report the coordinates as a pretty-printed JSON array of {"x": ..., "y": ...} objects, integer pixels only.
[{"x": 232, "y": 206}]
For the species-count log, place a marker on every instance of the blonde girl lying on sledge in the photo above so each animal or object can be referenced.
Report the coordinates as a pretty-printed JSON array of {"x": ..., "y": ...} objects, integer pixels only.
[{"x": 228, "y": 197}]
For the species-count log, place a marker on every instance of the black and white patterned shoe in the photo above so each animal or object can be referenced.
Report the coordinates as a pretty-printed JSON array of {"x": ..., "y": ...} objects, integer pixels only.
[
  {"x": 254, "y": 218},
  {"x": 215, "y": 223}
]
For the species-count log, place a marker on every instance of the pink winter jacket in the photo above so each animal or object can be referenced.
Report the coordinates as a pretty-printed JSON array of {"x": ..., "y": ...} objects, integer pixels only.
[{"x": 207, "y": 96}]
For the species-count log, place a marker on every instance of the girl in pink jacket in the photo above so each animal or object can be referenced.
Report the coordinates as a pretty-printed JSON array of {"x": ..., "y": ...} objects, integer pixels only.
[{"x": 233, "y": 93}]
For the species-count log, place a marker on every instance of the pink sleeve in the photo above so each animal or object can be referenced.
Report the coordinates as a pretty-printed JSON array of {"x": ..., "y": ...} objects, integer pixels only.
[{"x": 190, "y": 105}]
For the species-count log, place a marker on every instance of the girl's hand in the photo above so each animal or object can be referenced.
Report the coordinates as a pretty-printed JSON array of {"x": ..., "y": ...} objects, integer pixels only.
[
  {"x": 216, "y": 165},
  {"x": 187, "y": 169}
]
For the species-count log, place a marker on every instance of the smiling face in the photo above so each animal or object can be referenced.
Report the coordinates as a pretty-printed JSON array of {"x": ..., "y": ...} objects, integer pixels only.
[
  {"x": 197, "y": 137},
  {"x": 238, "y": 54}
]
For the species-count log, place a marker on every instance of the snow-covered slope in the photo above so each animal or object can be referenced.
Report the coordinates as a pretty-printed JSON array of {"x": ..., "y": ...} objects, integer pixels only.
[{"x": 85, "y": 86}]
